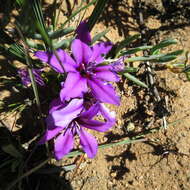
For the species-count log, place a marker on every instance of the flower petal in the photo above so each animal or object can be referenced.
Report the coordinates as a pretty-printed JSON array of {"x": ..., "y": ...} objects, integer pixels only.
[
  {"x": 103, "y": 91},
  {"x": 119, "y": 65},
  {"x": 81, "y": 51},
  {"x": 107, "y": 114},
  {"x": 91, "y": 112},
  {"x": 97, "y": 125},
  {"x": 48, "y": 57},
  {"x": 100, "y": 49},
  {"x": 55, "y": 105},
  {"x": 49, "y": 134},
  {"x": 62, "y": 117},
  {"x": 63, "y": 144},
  {"x": 74, "y": 86},
  {"x": 83, "y": 33},
  {"x": 88, "y": 143},
  {"x": 107, "y": 75}
]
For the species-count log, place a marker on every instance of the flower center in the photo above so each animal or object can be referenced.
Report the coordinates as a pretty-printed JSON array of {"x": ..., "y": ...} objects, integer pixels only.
[{"x": 85, "y": 71}]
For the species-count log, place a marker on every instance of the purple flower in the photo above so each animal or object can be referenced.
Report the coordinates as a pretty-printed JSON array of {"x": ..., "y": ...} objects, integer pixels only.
[
  {"x": 85, "y": 69},
  {"x": 25, "y": 78},
  {"x": 65, "y": 121},
  {"x": 118, "y": 65}
]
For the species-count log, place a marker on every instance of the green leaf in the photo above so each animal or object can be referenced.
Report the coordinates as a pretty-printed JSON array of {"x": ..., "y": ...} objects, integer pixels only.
[
  {"x": 135, "y": 50},
  {"x": 20, "y": 2},
  {"x": 99, "y": 36},
  {"x": 126, "y": 42},
  {"x": 135, "y": 80},
  {"x": 156, "y": 58},
  {"x": 11, "y": 150},
  {"x": 78, "y": 11},
  {"x": 62, "y": 44},
  {"x": 55, "y": 34},
  {"x": 39, "y": 20},
  {"x": 16, "y": 50},
  {"x": 161, "y": 45},
  {"x": 129, "y": 70},
  {"x": 96, "y": 13},
  {"x": 122, "y": 142}
]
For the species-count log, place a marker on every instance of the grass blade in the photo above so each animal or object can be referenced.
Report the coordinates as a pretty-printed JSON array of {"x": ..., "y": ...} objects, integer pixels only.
[
  {"x": 40, "y": 23},
  {"x": 96, "y": 13},
  {"x": 99, "y": 36},
  {"x": 78, "y": 11},
  {"x": 55, "y": 34}
]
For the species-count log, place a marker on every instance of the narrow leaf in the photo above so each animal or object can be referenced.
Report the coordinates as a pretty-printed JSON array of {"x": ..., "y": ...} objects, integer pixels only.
[
  {"x": 135, "y": 50},
  {"x": 99, "y": 36},
  {"x": 162, "y": 44},
  {"x": 96, "y": 13},
  {"x": 78, "y": 11},
  {"x": 40, "y": 23},
  {"x": 135, "y": 80},
  {"x": 55, "y": 34},
  {"x": 126, "y": 42}
]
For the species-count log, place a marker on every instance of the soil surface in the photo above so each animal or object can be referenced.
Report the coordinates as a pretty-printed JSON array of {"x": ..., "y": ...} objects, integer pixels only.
[{"x": 162, "y": 161}]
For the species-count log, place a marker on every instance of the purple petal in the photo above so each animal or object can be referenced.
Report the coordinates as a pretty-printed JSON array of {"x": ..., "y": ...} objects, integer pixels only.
[
  {"x": 81, "y": 51},
  {"x": 38, "y": 78},
  {"x": 103, "y": 91},
  {"x": 96, "y": 125},
  {"x": 106, "y": 113},
  {"x": 63, "y": 144},
  {"x": 91, "y": 112},
  {"x": 55, "y": 105},
  {"x": 25, "y": 78},
  {"x": 83, "y": 33},
  {"x": 67, "y": 62},
  {"x": 100, "y": 49},
  {"x": 118, "y": 65},
  {"x": 62, "y": 117},
  {"x": 88, "y": 143},
  {"x": 107, "y": 75},
  {"x": 74, "y": 86},
  {"x": 49, "y": 134}
]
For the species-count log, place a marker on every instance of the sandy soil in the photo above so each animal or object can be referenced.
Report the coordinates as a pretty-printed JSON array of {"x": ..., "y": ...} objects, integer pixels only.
[{"x": 162, "y": 162}]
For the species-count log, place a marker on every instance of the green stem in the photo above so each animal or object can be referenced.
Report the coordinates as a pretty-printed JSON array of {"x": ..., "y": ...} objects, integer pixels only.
[{"x": 32, "y": 77}]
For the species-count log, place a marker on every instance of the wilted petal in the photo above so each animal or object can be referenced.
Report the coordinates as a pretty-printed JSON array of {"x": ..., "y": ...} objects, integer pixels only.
[
  {"x": 67, "y": 62},
  {"x": 24, "y": 75},
  {"x": 96, "y": 125},
  {"x": 103, "y": 91},
  {"x": 81, "y": 51},
  {"x": 49, "y": 134},
  {"x": 74, "y": 86},
  {"x": 88, "y": 143},
  {"x": 83, "y": 33},
  {"x": 63, "y": 144},
  {"x": 62, "y": 117},
  {"x": 91, "y": 112},
  {"x": 106, "y": 75},
  {"x": 25, "y": 78},
  {"x": 99, "y": 50}
]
